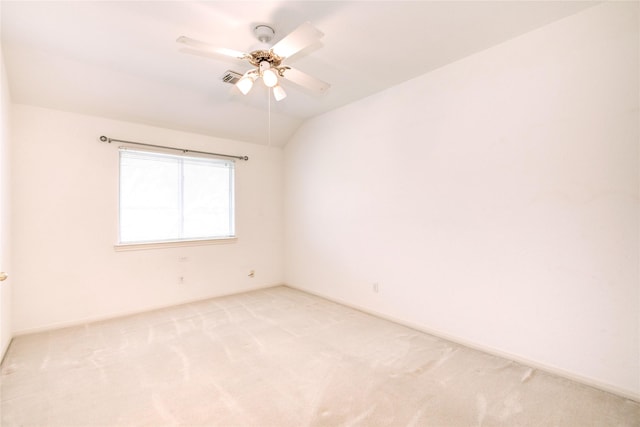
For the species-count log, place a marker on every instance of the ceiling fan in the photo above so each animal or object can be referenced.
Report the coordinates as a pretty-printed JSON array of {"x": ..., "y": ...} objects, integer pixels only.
[{"x": 268, "y": 62}]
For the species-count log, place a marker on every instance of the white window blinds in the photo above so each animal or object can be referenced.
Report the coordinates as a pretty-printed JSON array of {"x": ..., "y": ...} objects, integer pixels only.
[{"x": 166, "y": 197}]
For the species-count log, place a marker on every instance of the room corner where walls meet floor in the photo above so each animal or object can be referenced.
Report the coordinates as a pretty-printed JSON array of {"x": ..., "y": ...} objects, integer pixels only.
[{"x": 280, "y": 357}]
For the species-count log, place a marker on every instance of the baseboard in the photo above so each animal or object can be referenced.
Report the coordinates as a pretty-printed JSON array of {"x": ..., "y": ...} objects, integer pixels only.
[
  {"x": 419, "y": 327},
  {"x": 627, "y": 394},
  {"x": 112, "y": 316}
]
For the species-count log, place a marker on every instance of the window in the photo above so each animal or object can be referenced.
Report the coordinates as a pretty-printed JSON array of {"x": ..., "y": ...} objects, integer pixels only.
[{"x": 168, "y": 198}]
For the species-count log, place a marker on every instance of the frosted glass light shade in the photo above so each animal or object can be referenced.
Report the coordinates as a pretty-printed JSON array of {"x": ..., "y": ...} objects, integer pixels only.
[
  {"x": 278, "y": 93},
  {"x": 270, "y": 78},
  {"x": 245, "y": 84}
]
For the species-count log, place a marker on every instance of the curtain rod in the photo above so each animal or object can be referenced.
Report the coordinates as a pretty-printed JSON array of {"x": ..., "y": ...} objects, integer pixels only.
[{"x": 110, "y": 140}]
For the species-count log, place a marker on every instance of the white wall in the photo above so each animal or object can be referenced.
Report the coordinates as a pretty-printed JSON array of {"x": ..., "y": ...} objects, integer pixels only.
[
  {"x": 65, "y": 225},
  {"x": 494, "y": 200},
  {"x": 5, "y": 211}
]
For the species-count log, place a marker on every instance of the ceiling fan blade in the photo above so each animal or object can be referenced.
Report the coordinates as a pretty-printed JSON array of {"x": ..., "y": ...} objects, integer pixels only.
[
  {"x": 197, "y": 44},
  {"x": 298, "y": 39},
  {"x": 306, "y": 81}
]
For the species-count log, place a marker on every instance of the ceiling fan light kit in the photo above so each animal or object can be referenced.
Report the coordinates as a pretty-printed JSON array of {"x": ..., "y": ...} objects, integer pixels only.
[
  {"x": 245, "y": 84},
  {"x": 278, "y": 93},
  {"x": 268, "y": 62}
]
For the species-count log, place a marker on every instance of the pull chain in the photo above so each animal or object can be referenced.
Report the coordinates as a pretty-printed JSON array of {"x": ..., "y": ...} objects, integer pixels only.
[{"x": 269, "y": 113}]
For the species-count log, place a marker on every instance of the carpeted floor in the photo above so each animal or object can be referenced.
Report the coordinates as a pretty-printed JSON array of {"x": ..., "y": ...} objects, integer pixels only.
[{"x": 280, "y": 357}]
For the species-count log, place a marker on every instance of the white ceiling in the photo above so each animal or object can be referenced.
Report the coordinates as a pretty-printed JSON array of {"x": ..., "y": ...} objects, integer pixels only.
[{"x": 119, "y": 59}]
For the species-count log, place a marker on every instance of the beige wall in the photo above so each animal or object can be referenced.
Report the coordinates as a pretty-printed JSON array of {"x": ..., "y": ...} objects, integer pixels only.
[
  {"x": 6, "y": 330},
  {"x": 65, "y": 185},
  {"x": 494, "y": 201}
]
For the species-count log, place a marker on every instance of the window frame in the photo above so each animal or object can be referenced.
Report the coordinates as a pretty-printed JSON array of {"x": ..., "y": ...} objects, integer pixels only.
[{"x": 179, "y": 242}]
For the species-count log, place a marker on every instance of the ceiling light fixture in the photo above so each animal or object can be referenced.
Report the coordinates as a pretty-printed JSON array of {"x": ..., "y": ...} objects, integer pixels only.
[
  {"x": 267, "y": 67},
  {"x": 278, "y": 93},
  {"x": 268, "y": 60},
  {"x": 246, "y": 82},
  {"x": 269, "y": 76}
]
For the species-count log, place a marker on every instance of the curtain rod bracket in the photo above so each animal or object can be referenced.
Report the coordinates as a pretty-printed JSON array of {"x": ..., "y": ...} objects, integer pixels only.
[{"x": 109, "y": 140}]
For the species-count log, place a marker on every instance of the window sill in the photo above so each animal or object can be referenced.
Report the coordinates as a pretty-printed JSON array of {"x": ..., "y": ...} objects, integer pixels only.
[{"x": 173, "y": 244}]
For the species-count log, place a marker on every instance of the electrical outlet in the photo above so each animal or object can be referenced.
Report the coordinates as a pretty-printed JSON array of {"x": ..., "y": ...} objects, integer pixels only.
[{"x": 375, "y": 288}]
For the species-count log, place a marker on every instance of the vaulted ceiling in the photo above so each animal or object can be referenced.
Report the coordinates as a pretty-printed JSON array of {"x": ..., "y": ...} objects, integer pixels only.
[{"x": 120, "y": 59}]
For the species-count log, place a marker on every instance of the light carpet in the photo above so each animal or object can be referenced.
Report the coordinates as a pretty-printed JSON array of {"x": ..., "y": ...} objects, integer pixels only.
[{"x": 280, "y": 357}]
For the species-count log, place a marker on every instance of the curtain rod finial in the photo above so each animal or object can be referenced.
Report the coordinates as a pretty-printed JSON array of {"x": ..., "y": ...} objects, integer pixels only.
[{"x": 105, "y": 139}]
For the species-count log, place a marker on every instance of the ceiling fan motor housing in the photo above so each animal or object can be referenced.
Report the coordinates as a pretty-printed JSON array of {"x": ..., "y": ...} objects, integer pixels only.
[{"x": 258, "y": 56}]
